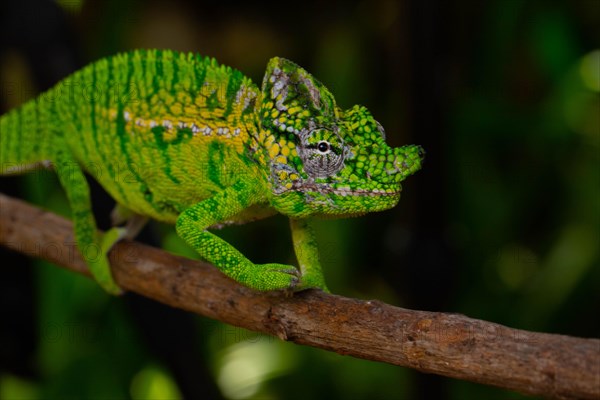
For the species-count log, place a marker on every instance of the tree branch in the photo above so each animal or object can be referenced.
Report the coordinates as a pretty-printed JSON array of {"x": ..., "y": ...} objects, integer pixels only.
[{"x": 447, "y": 344}]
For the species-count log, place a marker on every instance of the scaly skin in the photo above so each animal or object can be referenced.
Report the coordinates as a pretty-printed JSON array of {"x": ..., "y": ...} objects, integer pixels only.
[{"x": 180, "y": 139}]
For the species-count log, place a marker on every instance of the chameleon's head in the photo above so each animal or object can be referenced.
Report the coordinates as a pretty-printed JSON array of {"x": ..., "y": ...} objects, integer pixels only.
[{"x": 322, "y": 160}]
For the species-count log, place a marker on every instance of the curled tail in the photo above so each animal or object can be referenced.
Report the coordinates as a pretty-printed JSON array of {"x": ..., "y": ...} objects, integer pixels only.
[{"x": 25, "y": 138}]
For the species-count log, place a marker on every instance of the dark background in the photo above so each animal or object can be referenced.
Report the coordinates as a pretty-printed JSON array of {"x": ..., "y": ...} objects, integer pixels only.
[{"x": 501, "y": 224}]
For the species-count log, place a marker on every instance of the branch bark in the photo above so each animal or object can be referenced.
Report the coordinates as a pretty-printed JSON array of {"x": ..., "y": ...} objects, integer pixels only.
[{"x": 447, "y": 344}]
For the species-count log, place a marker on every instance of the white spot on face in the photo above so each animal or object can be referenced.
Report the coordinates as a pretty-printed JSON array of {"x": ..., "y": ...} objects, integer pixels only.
[
  {"x": 240, "y": 94},
  {"x": 236, "y": 132},
  {"x": 207, "y": 130},
  {"x": 195, "y": 129},
  {"x": 248, "y": 100},
  {"x": 279, "y": 90},
  {"x": 279, "y": 103}
]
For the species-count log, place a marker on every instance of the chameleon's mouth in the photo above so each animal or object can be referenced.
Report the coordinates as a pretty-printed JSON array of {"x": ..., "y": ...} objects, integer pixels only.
[{"x": 347, "y": 191}]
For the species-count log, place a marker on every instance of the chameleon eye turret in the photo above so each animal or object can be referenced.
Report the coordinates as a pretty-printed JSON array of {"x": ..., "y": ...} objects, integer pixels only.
[
  {"x": 202, "y": 146},
  {"x": 322, "y": 152}
]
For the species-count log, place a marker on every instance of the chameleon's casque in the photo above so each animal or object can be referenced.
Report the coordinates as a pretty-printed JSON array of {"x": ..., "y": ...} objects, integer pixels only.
[{"x": 178, "y": 138}]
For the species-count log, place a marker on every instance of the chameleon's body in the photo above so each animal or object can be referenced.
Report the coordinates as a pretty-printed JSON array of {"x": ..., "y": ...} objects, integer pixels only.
[{"x": 178, "y": 138}]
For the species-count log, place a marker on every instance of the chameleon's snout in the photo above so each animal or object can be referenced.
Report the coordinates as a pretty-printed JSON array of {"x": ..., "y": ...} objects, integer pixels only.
[{"x": 408, "y": 160}]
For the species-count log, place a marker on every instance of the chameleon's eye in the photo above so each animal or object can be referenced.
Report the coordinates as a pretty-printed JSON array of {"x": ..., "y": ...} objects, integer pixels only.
[
  {"x": 323, "y": 147},
  {"x": 322, "y": 153},
  {"x": 381, "y": 130}
]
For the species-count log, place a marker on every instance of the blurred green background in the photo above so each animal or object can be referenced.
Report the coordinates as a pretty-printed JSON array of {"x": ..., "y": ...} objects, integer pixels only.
[{"x": 502, "y": 223}]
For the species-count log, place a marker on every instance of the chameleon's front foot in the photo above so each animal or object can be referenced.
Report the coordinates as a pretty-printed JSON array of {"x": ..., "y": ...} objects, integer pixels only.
[
  {"x": 314, "y": 281},
  {"x": 267, "y": 277}
]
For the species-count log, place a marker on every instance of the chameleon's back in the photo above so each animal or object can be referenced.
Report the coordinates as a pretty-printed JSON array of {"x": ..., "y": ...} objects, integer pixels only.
[
  {"x": 24, "y": 137},
  {"x": 148, "y": 125}
]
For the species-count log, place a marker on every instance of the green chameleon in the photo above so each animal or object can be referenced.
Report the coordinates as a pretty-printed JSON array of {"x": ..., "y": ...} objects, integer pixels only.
[{"x": 178, "y": 138}]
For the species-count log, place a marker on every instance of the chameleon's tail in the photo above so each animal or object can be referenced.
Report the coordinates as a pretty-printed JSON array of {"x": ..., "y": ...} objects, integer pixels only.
[{"x": 25, "y": 139}]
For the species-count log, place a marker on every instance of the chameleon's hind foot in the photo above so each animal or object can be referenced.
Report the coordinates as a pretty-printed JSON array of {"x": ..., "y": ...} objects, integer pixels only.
[{"x": 100, "y": 267}]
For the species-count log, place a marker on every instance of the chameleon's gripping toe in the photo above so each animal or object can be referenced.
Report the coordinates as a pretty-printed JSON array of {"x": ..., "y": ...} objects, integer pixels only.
[
  {"x": 266, "y": 277},
  {"x": 102, "y": 271}
]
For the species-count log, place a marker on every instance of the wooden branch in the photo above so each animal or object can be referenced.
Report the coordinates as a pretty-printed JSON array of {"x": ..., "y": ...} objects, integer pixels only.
[{"x": 453, "y": 345}]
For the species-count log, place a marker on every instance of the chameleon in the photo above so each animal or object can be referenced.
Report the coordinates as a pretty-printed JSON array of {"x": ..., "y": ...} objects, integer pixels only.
[{"x": 178, "y": 138}]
